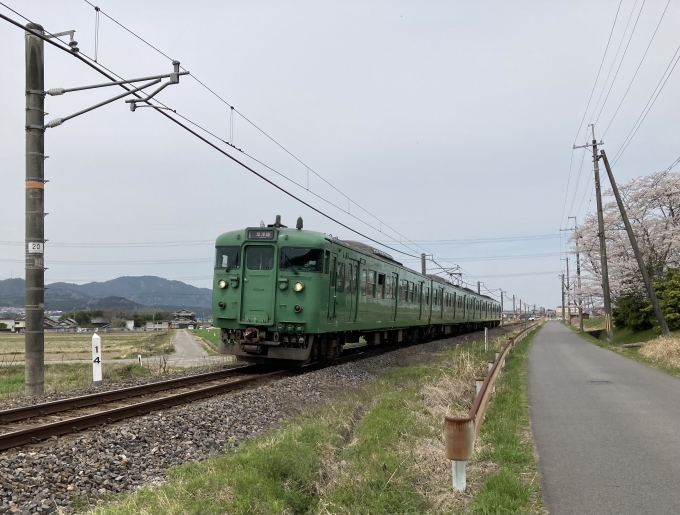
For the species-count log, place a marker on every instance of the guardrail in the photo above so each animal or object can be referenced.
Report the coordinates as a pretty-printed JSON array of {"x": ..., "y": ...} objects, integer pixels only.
[{"x": 460, "y": 433}]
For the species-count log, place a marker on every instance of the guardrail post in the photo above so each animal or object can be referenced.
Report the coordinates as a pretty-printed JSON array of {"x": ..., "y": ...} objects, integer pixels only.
[
  {"x": 458, "y": 475},
  {"x": 496, "y": 356},
  {"x": 459, "y": 436},
  {"x": 490, "y": 364}
]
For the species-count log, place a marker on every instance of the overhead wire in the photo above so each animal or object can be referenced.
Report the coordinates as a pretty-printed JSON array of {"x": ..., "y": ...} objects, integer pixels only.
[
  {"x": 648, "y": 107},
  {"x": 637, "y": 70}
]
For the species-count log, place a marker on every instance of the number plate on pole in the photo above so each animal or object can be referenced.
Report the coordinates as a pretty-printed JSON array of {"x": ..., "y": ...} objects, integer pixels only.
[{"x": 35, "y": 247}]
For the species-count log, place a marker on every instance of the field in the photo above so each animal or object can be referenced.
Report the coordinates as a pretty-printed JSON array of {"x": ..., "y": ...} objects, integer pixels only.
[
  {"x": 212, "y": 335},
  {"x": 76, "y": 346}
]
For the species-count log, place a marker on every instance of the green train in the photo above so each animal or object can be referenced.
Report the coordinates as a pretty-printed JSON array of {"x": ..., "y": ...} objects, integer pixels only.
[{"x": 295, "y": 296}]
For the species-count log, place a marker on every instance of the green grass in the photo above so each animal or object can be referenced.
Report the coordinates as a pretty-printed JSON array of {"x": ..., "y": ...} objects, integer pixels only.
[
  {"x": 67, "y": 376},
  {"x": 212, "y": 335},
  {"x": 374, "y": 449},
  {"x": 515, "y": 487},
  {"x": 625, "y": 336}
]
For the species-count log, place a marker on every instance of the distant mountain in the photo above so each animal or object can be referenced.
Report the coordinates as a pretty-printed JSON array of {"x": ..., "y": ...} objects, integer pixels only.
[{"x": 135, "y": 291}]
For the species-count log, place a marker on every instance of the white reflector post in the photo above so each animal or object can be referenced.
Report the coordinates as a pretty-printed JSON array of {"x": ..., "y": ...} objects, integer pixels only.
[{"x": 96, "y": 360}]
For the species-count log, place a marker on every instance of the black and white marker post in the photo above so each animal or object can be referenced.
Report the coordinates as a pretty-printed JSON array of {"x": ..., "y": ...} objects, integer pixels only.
[{"x": 96, "y": 360}]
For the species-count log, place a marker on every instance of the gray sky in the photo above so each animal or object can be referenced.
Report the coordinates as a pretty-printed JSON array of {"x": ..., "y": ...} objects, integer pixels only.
[{"x": 446, "y": 120}]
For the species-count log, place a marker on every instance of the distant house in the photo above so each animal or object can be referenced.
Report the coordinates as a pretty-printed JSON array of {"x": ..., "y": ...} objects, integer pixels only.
[
  {"x": 158, "y": 325},
  {"x": 183, "y": 319},
  {"x": 100, "y": 323},
  {"x": 50, "y": 325},
  {"x": 68, "y": 325},
  {"x": 19, "y": 325},
  {"x": 9, "y": 323}
]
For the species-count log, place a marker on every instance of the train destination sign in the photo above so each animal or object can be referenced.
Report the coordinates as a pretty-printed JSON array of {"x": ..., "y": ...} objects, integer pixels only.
[{"x": 261, "y": 235}]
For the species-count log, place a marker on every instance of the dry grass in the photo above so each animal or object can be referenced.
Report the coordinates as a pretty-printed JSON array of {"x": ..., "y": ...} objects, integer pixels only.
[
  {"x": 75, "y": 346},
  {"x": 664, "y": 349}
]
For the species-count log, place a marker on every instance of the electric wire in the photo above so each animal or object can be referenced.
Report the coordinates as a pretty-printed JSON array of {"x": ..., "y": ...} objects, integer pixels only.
[
  {"x": 233, "y": 108},
  {"x": 97, "y": 68},
  {"x": 657, "y": 91},
  {"x": 580, "y": 125},
  {"x": 623, "y": 36},
  {"x": 637, "y": 70},
  {"x": 156, "y": 108}
]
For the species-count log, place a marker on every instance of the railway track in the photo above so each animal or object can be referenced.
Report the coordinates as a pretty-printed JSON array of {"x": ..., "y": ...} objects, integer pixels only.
[{"x": 32, "y": 424}]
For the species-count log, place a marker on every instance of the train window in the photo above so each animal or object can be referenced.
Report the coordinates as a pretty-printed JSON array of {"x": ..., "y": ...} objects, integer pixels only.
[
  {"x": 403, "y": 291},
  {"x": 395, "y": 285},
  {"x": 353, "y": 279},
  {"x": 388, "y": 287},
  {"x": 371, "y": 284},
  {"x": 350, "y": 268},
  {"x": 363, "y": 282},
  {"x": 326, "y": 262},
  {"x": 427, "y": 296},
  {"x": 341, "y": 277},
  {"x": 299, "y": 259},
  {"x": 410, "y": 291},
  {"x": 227, "y": 258},
  {"x": 381, "y": 286},
  {"x": 260, "y": 258}
]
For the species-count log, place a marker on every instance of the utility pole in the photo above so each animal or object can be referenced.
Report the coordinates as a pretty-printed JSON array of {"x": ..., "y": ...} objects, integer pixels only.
[
  {"x": 514, "y": 312},
  {"x": 35, "y": 211},
  {"x": 638, "y": 255},
  {"x": 578, "y": 279},
  {"x": 603, "y": 247},
  {"x": 568, "y": 294},
  {"x": 479, "y": 289},
  {"x": 422, "y": 264},
  {"x": 562, "y": 286}
]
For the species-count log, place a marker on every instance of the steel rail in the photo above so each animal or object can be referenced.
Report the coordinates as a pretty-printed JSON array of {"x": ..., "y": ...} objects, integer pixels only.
[
  {"x": 48, "y": 408},
  {"x": 72, "y": 425}
]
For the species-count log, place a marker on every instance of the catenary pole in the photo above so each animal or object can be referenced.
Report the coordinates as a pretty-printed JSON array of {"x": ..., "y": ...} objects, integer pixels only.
[
  {"x": 501, "y": 307},
  {"x": 35, "y": 212},
  {"x": 568, "y": 294},
  {"x": 638, "y": 255},
  {"x": 422, "y": 264}
]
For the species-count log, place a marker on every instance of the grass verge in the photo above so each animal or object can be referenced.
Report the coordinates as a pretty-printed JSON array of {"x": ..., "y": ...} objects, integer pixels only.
[
  {"x": 211, "y": 335},
  {"x": 654, "y": 360},
  {"x": 377, "y": 448},
  {"x": 67, "y": 376}
]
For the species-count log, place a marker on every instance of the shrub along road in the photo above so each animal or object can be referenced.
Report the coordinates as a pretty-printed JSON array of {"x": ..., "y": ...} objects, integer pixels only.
[{"x": 605, "y": 428}]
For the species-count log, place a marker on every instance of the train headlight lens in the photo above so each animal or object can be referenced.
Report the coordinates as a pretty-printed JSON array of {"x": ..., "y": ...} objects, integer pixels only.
[
  {"x": 298, "y": 286},
  {"x": 222, "y": 284}
]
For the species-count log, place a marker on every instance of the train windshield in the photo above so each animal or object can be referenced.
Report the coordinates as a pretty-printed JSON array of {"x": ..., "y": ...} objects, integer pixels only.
[
  {"x": 301, "y": 259},
  {"x": 227, "y": 258}
]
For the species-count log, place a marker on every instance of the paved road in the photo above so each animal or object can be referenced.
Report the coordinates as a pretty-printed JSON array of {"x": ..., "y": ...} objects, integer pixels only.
[
  {"x": 188, "y": 352},
  {"x": 603, "y": 448}
]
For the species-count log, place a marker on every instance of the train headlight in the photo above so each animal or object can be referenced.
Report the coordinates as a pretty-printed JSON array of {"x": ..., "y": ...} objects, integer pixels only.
[
  {"x": 222, "y": 284},
  {"x": 298, "y": 286}
]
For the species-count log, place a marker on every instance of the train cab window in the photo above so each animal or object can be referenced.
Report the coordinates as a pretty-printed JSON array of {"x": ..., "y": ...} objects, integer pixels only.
[
  {"x": 380, "y": 294},
  {"x": 299, "y": 259},
  {"x": 341, "y": 277},
  {"x": 260, "y": 258},
  {"x": 227, "y": 258},
  {"x": 363, "y": 282},
  {"x": 326, "y": 262},
  {"x": 370, "y": 288}
]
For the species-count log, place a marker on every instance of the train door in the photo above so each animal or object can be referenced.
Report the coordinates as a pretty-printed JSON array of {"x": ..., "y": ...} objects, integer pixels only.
[
  {"x": 332, "y": 294},
  {"x": 259, "y": 285},
  {"x": 442, "y": 304},
  {"x": 420, "y": 300},
  {"x": 351, "y": 288},
  {"x": 454, "y": 297},
  {"x": 342, "y": 293},
  {"x": 393, "y": 296}
]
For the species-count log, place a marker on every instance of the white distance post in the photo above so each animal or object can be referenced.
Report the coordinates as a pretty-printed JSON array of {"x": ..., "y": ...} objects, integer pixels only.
[
  {"x": 96, "y": 360},
  {"x": 486, "y": 339}
]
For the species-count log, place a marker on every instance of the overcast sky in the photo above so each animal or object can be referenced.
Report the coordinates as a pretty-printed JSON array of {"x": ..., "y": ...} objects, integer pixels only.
[{"x": 446, "y": 120}]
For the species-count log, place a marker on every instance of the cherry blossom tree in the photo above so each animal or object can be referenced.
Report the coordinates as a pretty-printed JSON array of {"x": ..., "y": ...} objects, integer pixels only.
[{"x": 653, "y": 206}]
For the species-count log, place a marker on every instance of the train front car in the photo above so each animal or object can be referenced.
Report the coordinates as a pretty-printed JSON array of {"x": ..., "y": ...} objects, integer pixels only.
[{"x": 266, "y": 284}]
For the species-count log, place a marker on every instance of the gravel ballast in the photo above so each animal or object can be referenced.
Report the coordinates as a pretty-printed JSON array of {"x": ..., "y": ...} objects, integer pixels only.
[{"x": 125, "y": 456}]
